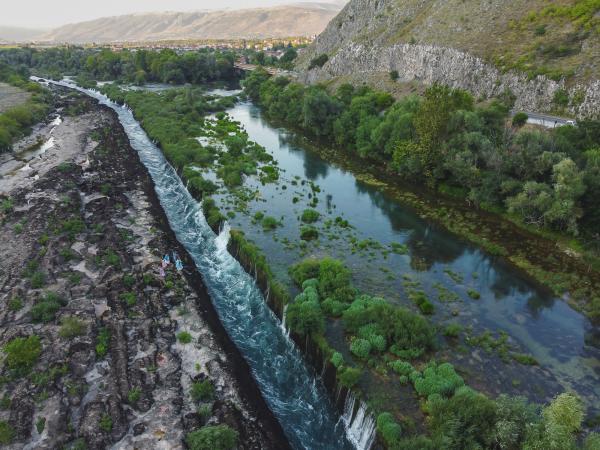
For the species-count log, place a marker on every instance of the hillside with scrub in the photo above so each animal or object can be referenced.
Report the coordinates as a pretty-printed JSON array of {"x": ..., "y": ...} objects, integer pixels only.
[{"x": 555, "y": 40}]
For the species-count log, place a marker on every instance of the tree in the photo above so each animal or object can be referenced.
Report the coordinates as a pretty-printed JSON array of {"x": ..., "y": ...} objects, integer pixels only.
[
  {"x": 22, "y": 354},
  {"x": 215, "y": 437}
]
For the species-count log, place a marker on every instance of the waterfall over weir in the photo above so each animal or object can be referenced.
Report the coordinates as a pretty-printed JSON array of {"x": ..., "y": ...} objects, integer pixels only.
[
  {"x": 297, "y": 398},
  {"x": 360, "y": 426}
]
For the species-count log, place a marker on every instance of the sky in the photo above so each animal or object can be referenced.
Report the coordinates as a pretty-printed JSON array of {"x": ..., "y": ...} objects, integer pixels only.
[{"x": 53, "y": 13}]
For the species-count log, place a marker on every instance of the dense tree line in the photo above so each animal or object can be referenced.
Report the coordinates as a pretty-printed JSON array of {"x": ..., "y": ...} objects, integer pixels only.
[
  {"x": 548, "y": 178},
  {"x": 139, "y": 66}
]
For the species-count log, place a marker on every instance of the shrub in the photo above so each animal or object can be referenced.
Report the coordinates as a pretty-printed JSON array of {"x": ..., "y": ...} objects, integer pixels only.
[
  {"x": 106, "y": 423},
  {"x": 452, "y": 330},
  {"x": 305, "y": 317},
  {"x": 466, "y": 420},
  {"x": 40, "y": 424},
  {"x": 111, "y": 258},
  {"x": 318, "y": 61},
  {"x": 184, "y": 337},
  {"x": 333, "y": 307},
  {"x": 214, "y": 437},
  {"x": 438, "y": 379},
  {"x": 202, "y": 390},
  {"x": 128, "y": 280},
  {"x": 304, "y": 270},
  {"x": 45, "y": 309},
  {"x": 71, "y": 327},
  {"x": 474, "y": 294},
  {"x": 389, "y": 430},
  {"x": 394, "y": 75},
  {"x": 134, "y": 395},
  {"x": 360, "y": 348},
  {"x": 7, "y": 434},
  {"x": 309, "y": 233},
  {"x": 37, "y": 280},
  {"x": 269, "y": 223},
  {"x": 15, "y": 304},
  {"x": 22, "y": 354},
  {"x": 561, "y": 98},
  {"x": 402, "y": 368},
  {"x": 348, "y": 376},
  {"x": 520, "y": 119},
  {"x": 310, "y": 216},
  {"x": 102, "y": 342},
  {"x": 72, "y": 227},
  {"x": 129, "y": 298},
  {"x": 337, "y": 359}
]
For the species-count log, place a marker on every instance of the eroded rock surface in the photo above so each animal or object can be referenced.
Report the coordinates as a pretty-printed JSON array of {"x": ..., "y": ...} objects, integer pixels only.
[{"x": 81, "y": 249}]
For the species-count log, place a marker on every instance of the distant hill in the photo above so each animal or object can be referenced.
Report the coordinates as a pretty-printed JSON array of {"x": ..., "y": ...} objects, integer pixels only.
[
  {"x": 482, "y": 46},
  {"x": 305, "y": 19},
  {"x": 15, "y": 34}
]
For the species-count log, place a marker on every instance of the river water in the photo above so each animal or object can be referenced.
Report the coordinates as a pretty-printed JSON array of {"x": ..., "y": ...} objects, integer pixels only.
[
  {"x": 296, "y": 396},
  {"x": 537, "y": 323}
]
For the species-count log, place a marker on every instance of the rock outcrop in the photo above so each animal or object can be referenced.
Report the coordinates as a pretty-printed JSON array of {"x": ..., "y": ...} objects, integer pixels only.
[
  {"x": 430, "y": 64},
  {"x": 466, "y": 44}
]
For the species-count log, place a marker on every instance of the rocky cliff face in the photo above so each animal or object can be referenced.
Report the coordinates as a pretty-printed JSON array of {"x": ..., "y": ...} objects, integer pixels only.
[
  {"x": 430, "y": 64},
  {"x": 466, "y": 44}
]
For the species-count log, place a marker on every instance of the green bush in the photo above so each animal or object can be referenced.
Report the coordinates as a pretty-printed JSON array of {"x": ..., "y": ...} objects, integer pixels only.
[
  {"x": 333, "y": 307},
  {"x": 7, "y": 434},
  {"x": 361, "y": 348},
  {"x": 304, "y": 270},
  {"x": 310, "y": 216},
  {"x": 45, "y": 309},
  {"x": 438, "y": 379},
  {"x": 318, "y": 61},
  {"x": 394, "y": 75},
  {"x": 309, "y": 233},
  {"x": 561, "y": 98},
  {"x": 106, "y": 423},
  {"x": 389, "y": 430},
  {"x": 129, "y": 298},
  {"x": 474, "y": 294},
  {"x": 71, "y": 327},
  {"x": 184, "y": 337},
  {"x": 22, "y": 354},
  {"x": 269, "y": 223},
  {"x": 134, "y": 395},
  {"x": 37, "y": 280},
  {"x": 15, "y": 304},
  {"x": 214, "y": 437},
  {"x": 202, "y": 391},
  {"x": 305, "y": 317},
  {"x": 452, "y": 330},
  {"x": 337, "y": 359},
  {"x": 401, "y": 367},
  {"x": 466, "y": 420},
  {"x": 520, "y": 119},
  {"x": 348, "y": 376},
  {"x": 102, "y": 342}
]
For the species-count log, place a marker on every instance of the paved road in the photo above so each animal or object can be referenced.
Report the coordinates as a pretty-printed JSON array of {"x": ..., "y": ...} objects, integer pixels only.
[{"x": 546, "y": 120}]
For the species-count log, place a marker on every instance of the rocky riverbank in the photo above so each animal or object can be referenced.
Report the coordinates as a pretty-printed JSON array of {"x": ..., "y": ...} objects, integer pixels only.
[{"x": 99, "y": 349}]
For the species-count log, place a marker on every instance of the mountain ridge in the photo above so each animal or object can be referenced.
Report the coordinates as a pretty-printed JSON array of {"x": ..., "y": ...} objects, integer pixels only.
[{"x": 305, "y": 19}]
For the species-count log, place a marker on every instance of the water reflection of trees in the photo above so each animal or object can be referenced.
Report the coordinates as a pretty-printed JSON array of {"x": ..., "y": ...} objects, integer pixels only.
[
  {"x": 429, "y": 245},
  {"x": 426, "y": 243},
  {"x": 314, "y": 165}
]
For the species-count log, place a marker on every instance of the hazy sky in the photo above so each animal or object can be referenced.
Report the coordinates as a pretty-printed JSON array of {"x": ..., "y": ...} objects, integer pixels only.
[{"x": 52, "y": 13}]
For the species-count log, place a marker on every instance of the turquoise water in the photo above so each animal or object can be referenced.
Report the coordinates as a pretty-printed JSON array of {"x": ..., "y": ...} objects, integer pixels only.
[
  {"x": 297, "y": 398},
  {"x": 538, "y": 323}
]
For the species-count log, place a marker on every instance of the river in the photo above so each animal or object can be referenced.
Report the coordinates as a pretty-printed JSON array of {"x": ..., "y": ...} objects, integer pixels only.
[
  {"x": 293, "y": 392},
  {"x": 444, "y": 266}
]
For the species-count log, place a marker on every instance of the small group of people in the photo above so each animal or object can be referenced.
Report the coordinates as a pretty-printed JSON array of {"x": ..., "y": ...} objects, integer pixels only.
[{"x": 166, "y": 261}]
